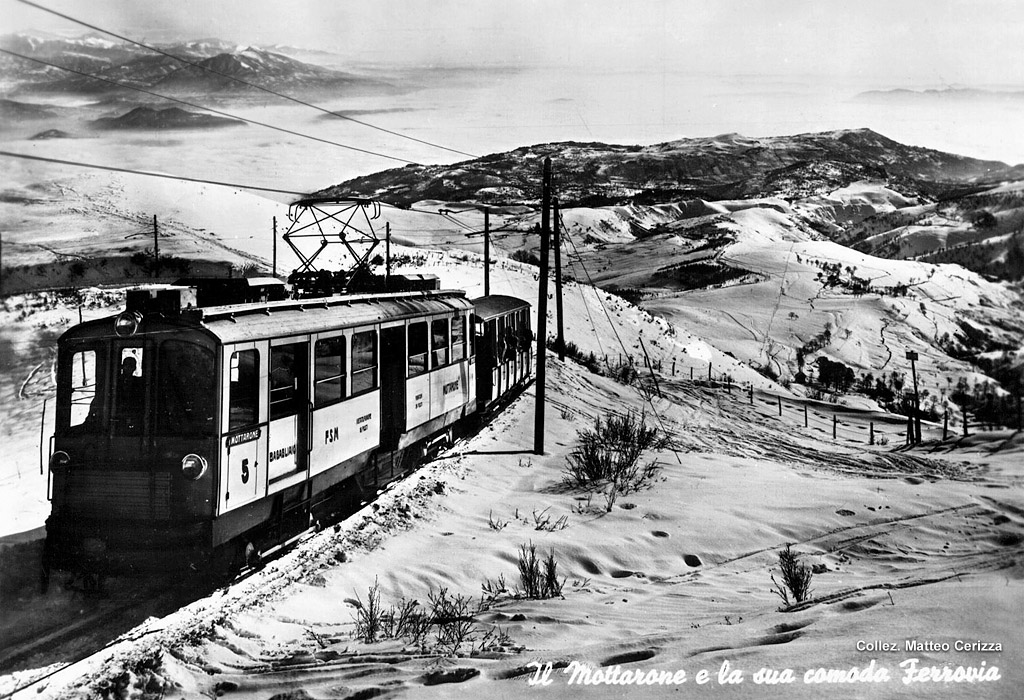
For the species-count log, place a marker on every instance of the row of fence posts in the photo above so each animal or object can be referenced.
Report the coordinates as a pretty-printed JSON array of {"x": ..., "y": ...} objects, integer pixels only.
[{"x": 727, "y": 380}]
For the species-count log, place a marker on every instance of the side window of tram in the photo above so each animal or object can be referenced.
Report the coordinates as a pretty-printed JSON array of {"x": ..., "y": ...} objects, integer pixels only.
[
  {"x": 499, "y": 340},
  {"x": 511, "y": 339},
  {"x": 85, "y": 405},
  {"x": 458, "y": 338},
  {"x": 244, "y": 391},
  {"x": 417, "y": 348},
  {"x": 330, "y": 370},
  {"x": 130, "y": 392},
  {"x": 364, "y": 362},
  {"x": 284, "y": 381},
  {"x": 439, "y": 341}
]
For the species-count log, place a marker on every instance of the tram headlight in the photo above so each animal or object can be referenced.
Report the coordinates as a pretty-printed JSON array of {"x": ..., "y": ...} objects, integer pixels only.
[
  {"x": 59, "y": 460},
  {"x": 193, "y": 467},
  {"x": 127, "y": 323}
]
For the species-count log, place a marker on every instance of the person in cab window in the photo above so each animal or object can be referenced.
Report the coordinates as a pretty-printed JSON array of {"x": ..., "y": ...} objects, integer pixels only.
[{"x": 511, "y": 343}]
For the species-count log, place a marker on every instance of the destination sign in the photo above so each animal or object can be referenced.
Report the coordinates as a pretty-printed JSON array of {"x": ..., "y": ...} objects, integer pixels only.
[{"x": 247, "y": 436}]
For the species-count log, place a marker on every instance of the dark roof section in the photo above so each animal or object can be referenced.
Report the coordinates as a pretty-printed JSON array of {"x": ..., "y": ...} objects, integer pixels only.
[{"x": 487, "y": 308}]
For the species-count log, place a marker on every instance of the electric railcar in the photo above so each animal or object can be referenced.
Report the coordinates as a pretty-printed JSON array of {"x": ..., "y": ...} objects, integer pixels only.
[{"x": 202, "y": 437}]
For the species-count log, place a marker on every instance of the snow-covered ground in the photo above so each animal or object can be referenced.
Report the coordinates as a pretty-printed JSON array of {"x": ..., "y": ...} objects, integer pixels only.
[
  {"x": 909, "y": 545},
  {"x": 921, "y": 546}
]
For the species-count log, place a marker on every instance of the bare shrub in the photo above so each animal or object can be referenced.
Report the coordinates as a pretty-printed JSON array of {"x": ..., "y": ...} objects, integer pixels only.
[
  {"x": 538, "y": 583},
  {"x": 529, "y": 571},
  {"x": 369, "y": 615},
  {"x": 611, "y": 452},
  {"x": 452, "y": 620},
  {"x": 444, "y": 626},
  {"x": 552, "y": 586},
  {"x": 498, "y": 524},
  {"x": 796, "y": 578}
]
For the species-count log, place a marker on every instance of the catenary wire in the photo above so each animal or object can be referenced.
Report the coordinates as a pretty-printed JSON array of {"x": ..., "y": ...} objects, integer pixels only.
[
  {"x": 650, "y": 401},
  {"x": 166, "y": 176},
  {"x": 207, "y": 109},
  {"x": 240, "y": 80}
]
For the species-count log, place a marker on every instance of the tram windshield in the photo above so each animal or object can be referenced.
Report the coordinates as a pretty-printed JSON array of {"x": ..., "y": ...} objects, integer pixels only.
[{"x": 134, "y": 388}]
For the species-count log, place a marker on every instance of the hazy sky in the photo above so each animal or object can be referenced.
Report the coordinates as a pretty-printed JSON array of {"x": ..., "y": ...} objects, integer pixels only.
[{"x": 887, "y": 42}]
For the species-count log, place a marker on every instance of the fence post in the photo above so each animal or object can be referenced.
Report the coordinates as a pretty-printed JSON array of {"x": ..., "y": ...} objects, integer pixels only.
[
  {"x": 835, "y": 423},
  {"x": 673, "y": 367},
  {"x": 728, "y": 383},
  {"x": 945, "y": 424},
  {"x": 805, "y": 416},
  {"x": 779, "y": 398},
  {"x": 709, "y": 370},
  {"x": 871, "y": 433},
  {"x": 691, "y": 374},
  {"x": 751, "y": 393}
]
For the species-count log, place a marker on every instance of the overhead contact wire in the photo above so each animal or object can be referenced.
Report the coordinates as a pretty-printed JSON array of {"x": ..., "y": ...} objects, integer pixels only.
[
  {"x": 240, "y": 80},
  {"x": 207, "y": 109},
  {"x": 166, "y": 176}
]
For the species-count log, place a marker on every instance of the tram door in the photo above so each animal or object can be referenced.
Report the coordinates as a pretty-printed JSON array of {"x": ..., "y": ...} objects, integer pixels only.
[
  {"x": 289, "y": 410},
  {"x": 392, "y": 386}
]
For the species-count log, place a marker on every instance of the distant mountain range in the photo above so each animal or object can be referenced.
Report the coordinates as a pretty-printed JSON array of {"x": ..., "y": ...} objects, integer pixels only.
[
  {"x": 949, "y": 94},
  {"x": 218, "y": 67},
  {"x": 170, "y": 118},
  {"x": 729, "y": 166},
  {"x": 23, "y": 111}
]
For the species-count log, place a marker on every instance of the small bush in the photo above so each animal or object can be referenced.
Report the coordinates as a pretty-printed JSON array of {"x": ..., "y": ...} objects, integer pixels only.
[
  {"x": 525, "y": 256},
  {"x": 795, "y": 575},
  {"x": 536, "y": 583},
  {"x": 611, "y": 453},
  {"x": 452, "y": 619},
  {"x": 369, "y": 615}
]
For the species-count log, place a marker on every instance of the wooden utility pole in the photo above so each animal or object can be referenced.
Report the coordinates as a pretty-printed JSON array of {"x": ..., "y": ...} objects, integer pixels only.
[
  {"x": 556, "y": 240},
  {"x": 387, "y": 255},
  {"x": 912, "y": 356},
  {"x": 487, "y": 252},
  {"x": 650, "y": 367},
  {"x": 156, "y": 248},
  {"x": 542, "y": 308},
  {"x": 274, "y": 258}
]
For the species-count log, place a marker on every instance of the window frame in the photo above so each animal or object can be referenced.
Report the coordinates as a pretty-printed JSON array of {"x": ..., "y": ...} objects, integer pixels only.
[
  {"x": 444, "y": 358},
  {"x": 207, "y": 401},
  {"x": 459, "y": 322},
  {"x": 292, "y": 406},
  {"x": 342, "y": 377},
  {"x": 67, "y": 388},
  {"x": 409, "y": 354},
  {"x": 230, "y": 402},
  {"x": 372, "y": 368}
]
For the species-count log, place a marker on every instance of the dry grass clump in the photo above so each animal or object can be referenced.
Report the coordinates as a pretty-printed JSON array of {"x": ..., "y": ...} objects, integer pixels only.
[
  {"x": 796, "y": 578},
  {"x": 448, "y": 624},
  {"x": 539, "y": 579},
  {"x": 609, "y": 454}
]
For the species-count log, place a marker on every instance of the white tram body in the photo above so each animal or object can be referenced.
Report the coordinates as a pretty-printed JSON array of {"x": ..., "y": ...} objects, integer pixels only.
[{"x": 199, "y": 435}]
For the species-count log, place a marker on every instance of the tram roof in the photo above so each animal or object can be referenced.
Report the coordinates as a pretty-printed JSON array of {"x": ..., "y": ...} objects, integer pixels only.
[
  {"x": 495, "y": 305},
  {"x": 241, "y": 322}
]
